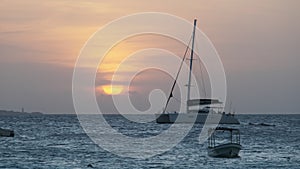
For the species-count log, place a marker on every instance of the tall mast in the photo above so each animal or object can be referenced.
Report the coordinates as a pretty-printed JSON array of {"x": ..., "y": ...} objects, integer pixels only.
[{"x": 191, "y": 66}]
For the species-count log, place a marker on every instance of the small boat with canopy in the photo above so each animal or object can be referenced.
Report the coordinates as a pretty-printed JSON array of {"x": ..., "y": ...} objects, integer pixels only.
[{"x": 229, "y": 148}]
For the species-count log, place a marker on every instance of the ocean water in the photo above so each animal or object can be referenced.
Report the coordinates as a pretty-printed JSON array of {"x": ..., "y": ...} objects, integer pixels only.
[{"x": 58, "y": 141}]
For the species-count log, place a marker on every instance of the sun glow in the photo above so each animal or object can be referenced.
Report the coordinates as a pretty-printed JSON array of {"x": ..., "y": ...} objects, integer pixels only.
[{"x": 112, "y": 89}]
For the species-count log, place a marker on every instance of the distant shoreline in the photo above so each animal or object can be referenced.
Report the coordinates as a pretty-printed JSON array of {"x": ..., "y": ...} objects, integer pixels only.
[{"x": 15, "y": 113}]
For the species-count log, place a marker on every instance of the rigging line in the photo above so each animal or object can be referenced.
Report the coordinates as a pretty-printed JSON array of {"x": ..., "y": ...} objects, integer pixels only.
[{"x": 171, "y": 93}]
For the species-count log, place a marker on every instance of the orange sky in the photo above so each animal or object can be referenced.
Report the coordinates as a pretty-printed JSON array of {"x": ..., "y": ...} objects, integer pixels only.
[
  {"x": 121, "y": 51},
  {"x": 60, "y": 28},
  {"x": 41, "y": 39}
]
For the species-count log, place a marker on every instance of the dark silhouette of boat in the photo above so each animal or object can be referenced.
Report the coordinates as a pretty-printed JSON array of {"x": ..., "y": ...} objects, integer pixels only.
[
  {"x": 6, "y": 133},
  {"x": 200, "y": 114}
]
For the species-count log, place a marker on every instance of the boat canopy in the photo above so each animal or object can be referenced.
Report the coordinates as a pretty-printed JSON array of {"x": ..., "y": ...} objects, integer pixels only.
[{"x": 197, "y": 102}]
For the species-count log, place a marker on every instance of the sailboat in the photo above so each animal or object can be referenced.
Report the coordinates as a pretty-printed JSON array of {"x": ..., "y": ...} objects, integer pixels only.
[{"x": 205, "y": 105}]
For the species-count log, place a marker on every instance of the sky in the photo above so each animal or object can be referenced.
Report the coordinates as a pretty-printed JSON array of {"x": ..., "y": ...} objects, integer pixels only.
[{"x": 257, "y": 40}]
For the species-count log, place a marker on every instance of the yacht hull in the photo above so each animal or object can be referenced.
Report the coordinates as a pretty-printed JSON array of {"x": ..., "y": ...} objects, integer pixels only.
[{"x": 195, "y": 118}]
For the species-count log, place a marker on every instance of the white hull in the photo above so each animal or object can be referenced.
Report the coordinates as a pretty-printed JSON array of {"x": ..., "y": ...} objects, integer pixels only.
[
  {"x": 229, "y": 150},
  {"x": 190, "y": 118}
]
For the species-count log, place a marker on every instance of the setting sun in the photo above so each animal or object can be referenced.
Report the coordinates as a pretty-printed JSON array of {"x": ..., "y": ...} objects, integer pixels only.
[{"x": 112, "y": 89}]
